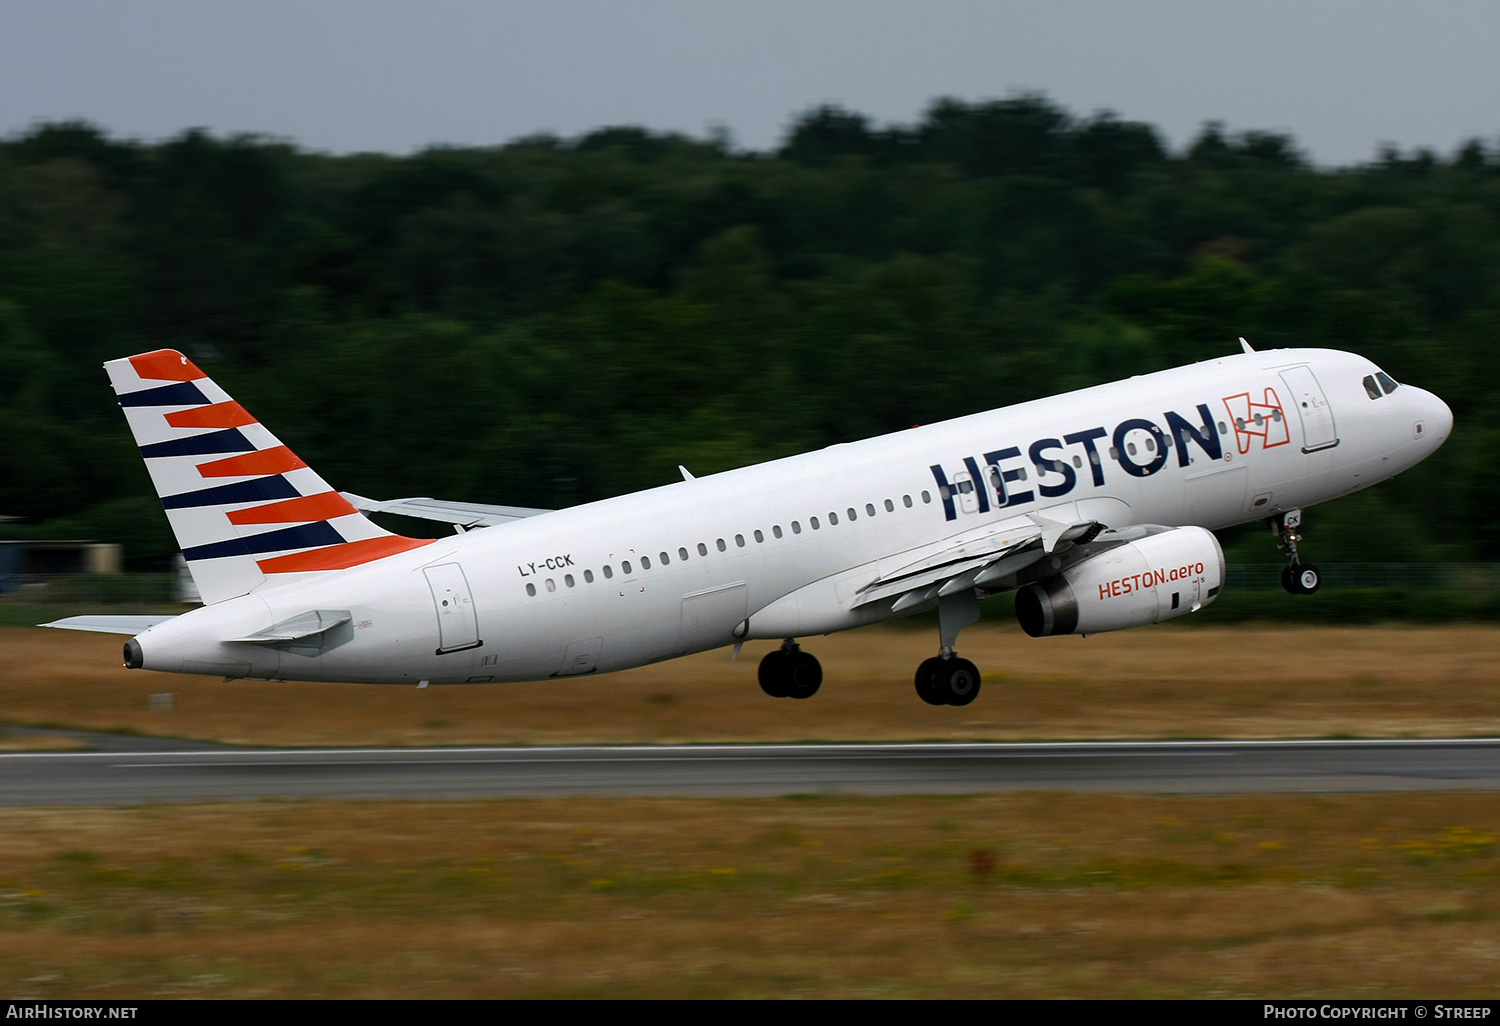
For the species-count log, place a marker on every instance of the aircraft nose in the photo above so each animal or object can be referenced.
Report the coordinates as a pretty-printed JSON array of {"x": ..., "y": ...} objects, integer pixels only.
[{"x": 1434, "y": 420}]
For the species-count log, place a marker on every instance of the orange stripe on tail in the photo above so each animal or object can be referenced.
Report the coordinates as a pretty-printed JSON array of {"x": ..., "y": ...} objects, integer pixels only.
[
  {"x": 324, "y": 506},
  {"x": 219, "y": 415},
  {"x": 341, "y": 557},
  {"x": 267, "y": 461},
  {"x": 166, "y": 365}
]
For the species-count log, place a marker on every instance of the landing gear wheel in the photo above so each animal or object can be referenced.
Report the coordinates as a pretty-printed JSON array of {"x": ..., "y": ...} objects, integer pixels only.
[
  {"x": 774, "y": 678},
  {"x": 927, "y": 675},
  {"x": 803, "y": 675},
  {"x": 1301, "y": 579},
  {"x": 959, "y": 681}
]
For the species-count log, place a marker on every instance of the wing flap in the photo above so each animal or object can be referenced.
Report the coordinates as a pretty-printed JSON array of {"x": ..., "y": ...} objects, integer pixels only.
[
  {"x": 975, "y": 560},
  {"x": 934, "y": 566}
]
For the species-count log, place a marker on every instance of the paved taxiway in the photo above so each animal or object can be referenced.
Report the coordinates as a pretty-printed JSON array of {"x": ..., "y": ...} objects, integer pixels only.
[{"x": 136, "y": 770}]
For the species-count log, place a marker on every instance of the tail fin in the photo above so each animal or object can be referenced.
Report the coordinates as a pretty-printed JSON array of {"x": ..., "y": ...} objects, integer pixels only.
[{"x": 244, "y": 508}]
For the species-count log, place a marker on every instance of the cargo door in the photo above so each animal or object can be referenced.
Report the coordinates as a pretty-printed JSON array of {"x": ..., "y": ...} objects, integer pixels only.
[{"x": 458, "y": 623}]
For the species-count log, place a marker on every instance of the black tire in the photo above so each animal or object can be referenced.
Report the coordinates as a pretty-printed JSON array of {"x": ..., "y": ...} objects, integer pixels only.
[
  {"x": 927, "y": 674},
  {"x": 1289, "y": 582},
  {"x": 775, "y": 678},
  {"x": 804, "y": 675},
  {"x": 959, "y": 682},
  {"x": 1309, "y": 579}
]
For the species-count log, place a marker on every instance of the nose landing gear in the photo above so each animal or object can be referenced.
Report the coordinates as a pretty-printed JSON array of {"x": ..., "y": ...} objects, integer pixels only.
[{"x": 1298, "y": 578}]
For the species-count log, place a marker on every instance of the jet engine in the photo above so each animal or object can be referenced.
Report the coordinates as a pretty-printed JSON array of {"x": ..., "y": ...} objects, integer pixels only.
[{"x": 1138, "y": 582}]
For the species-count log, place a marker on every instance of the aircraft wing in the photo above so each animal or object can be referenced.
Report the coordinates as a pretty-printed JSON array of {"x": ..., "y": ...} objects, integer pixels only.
[
  {"x": 980, "y": 558},
  {"x": 464, "y": 514}
]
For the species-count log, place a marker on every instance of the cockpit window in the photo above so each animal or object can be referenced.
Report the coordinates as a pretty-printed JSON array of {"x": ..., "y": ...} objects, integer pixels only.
[
  {"x": 1386, "y": 381},
  {"x": 1371, "y": 389}
]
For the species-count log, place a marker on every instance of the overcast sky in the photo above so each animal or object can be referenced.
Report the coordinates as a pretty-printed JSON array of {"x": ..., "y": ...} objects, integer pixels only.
[{"x": 1343, "y": 76}]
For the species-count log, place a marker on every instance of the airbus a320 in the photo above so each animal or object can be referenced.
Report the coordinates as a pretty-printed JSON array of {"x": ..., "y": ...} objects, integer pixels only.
[{"x": 1096, "y": 507}]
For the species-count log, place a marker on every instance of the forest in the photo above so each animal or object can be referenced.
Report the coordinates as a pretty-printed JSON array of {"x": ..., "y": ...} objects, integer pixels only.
[{"x": 550, "y": 321}]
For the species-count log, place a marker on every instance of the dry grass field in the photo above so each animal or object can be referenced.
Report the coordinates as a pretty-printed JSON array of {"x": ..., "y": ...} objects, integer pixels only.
[
  {"x": 1163, "y": 682},
  {"x": 997, "y": 896},
  {"x": 1016, "y": 895}
]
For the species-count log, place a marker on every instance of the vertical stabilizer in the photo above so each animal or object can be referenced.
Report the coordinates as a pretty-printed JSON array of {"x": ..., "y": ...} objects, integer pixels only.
[{"x": 244, "y": 508}]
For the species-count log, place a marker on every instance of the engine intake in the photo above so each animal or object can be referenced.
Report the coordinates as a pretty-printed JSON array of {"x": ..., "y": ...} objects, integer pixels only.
[{"x": 1129, "y": 585}]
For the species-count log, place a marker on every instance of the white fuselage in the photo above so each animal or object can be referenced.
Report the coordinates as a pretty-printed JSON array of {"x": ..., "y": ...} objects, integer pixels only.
[{"x": 774, "y": 551}]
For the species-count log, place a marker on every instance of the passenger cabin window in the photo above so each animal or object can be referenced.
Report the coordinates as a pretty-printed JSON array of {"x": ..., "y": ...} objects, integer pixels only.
[
  {"x": 609, "y": 571},
  {"x": 739, "y": 540},
  {"x": 853, "y": 516},
  {"x": 1386, "y": 382},
  {"x": 721, "y": 545},
  {"x": 682, "y": 554},
  {"x": 869, "y": 509},
  {"x": 890, "y": 507},
  {"x": 796, "y": 527},
  {"x": 625, "y": 567},
  {"x": 776, "y": 530},
  {"x": 645, "y": 562},
  {"x": 703, "y": 549},
  {"x": 814, "y": 522},
  {"x": 568, "y": 580},
  {"x": 1371, "y": 389},
  {"x": 551, "y": 584},
  {"x": 906, "y": 501},
  {"x": 588, "y": 577},
  {"x": 531, "y": 589},
  {"x": 759, "y": 537},
  {"x": 833, "y": 518},
  {"x": 665, "y": 559},
  {"x": 926, "y": 496}
]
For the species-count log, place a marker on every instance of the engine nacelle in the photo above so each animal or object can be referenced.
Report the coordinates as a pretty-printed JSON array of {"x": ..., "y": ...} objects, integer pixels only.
[{"x": 1145, "y": 581}]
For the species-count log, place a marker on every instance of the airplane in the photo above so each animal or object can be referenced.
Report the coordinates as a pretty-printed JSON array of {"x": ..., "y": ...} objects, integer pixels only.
[{"x": 1096, "y": 507}]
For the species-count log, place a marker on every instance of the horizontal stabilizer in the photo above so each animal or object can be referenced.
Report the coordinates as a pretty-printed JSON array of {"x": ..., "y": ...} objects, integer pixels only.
[
  {"x": 131, "y": 625},
  {"x": 465, "y": 514},
  {"x": 303, "y": 625}
]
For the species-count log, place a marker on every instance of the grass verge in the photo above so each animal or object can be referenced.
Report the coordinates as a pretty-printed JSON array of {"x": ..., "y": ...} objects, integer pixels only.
[
  {"x": 1160, "y": 682},
  {"x": 996, "y": 896}
]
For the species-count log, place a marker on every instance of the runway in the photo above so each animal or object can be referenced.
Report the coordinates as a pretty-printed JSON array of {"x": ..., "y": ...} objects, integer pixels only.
[{"x": 127, "y": 771}]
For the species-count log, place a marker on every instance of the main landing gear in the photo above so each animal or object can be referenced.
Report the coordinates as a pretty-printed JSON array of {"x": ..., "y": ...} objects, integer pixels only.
[
  {"x": 789, "y": 672},
  {"x": 945, "y": 679},
  {"x": 1298, "y": 577}
]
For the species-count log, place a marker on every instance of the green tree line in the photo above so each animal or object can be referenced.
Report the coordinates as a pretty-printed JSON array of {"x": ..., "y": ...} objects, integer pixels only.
[{"x": 556, "y": 320}]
